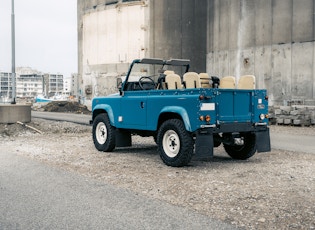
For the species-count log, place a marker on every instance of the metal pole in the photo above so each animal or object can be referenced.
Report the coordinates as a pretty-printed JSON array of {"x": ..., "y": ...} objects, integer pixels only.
[{"x": 13, "y": 55}]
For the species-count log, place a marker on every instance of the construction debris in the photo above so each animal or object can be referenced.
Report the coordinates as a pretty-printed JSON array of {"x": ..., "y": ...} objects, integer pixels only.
[{"x": 30, "y": 127}]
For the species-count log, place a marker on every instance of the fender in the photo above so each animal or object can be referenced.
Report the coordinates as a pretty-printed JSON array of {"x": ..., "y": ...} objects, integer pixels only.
[
  {"x": 108, "y": 109},
  {"x": 180, "y": 111}
]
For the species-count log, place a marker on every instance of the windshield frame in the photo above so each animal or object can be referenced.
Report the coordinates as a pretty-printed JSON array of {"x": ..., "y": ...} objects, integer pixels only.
[{"x": 156, "y": 62}]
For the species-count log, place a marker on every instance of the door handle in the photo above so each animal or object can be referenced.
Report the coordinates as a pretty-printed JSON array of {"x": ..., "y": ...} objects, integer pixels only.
[{"x": 142, "y": 104}]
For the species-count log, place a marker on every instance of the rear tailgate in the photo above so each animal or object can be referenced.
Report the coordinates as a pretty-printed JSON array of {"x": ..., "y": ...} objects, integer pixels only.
[{"x": 235, "y": 105}]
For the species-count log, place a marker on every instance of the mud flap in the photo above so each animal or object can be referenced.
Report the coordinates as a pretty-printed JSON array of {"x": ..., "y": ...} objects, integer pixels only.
[
  {"x": 123, "y": 138},
  {"x": 204, "y": 144},
  {"x": 263, "y": 141}
]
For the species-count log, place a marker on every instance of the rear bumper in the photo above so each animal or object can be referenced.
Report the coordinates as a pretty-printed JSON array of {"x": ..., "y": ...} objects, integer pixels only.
[
  {"x": 239, "y": 127},
  {"x": 205, "y": 142}
]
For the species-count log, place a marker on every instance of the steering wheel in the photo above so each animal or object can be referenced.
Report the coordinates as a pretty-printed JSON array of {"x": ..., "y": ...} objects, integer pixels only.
[{"x": 146, "y": 81}]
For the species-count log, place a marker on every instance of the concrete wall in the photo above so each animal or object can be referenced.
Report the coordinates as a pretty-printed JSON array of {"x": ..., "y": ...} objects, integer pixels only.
[
  {"x": 179, "y": 30},
  {"x": 272, "y": 39},
  {"x": 110, "y": 36}
]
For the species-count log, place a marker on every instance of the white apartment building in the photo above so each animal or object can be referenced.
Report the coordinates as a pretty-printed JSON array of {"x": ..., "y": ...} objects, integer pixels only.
[
  {"x": 53, "y": 84},
  {"x": 5, "y": 86},
  {"x": 29, "y": 82},
  {"x": 29, "y": 85}
]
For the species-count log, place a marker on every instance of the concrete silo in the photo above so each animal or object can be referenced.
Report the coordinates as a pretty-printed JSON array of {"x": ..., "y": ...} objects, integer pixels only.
[
  {"x": 112, "y": 33},
  {"x": 272, "y": 39}
]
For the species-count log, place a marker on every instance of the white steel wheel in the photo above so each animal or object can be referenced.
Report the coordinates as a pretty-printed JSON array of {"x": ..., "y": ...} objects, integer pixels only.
[
  {"x": 171, "y": 143},
  {"x": 101, "y": 133},
  {"x": 175, "y": 143}
]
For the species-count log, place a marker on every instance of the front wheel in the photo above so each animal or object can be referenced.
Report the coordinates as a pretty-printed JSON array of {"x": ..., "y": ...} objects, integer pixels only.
[
  {"x": 243, "y": 151},
  {"x": 175, "y": 143},
  {"x": 103, "y": 133}
]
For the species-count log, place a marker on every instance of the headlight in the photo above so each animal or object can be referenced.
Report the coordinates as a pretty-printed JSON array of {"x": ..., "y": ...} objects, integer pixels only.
[{"x": 262, "y": 116}]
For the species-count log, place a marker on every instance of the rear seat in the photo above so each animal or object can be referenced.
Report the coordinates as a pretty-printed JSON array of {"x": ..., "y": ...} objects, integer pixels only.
[
  {"x": 191, "y": 80},
  {"x": 173, "y": 81},
  {"x": 227, "y": 82},
  {"x": 246, "y": 82},
  {"x": 204, "y": 80}
]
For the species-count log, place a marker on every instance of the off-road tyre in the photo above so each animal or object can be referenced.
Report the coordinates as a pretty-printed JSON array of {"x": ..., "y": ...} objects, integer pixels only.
[
  {"x": 242, "y": 152},
  {"x": 216, "y": 142},
  {"x": 103, "y": 133},
  {"x": 175, "y": 143}
]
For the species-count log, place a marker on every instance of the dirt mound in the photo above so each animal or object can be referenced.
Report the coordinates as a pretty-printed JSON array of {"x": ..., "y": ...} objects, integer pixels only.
[
  {"x": 66, "y": 107},
  {"x": 41, "y": 126}
]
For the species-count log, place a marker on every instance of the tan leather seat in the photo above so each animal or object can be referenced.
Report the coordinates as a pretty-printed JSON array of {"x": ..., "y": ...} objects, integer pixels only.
[
  {"x": 191, "y": 80},
  {"x": 227, "y": 82},
  {"x": 204, "y": 80},
  {"x": 173, "y": 81},
  {"x": 247, "y": 82},
  {"x": 167, "y": 72}
]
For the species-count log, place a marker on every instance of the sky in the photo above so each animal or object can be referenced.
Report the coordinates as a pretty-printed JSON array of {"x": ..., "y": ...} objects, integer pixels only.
[{"x": 45, "y": 35}]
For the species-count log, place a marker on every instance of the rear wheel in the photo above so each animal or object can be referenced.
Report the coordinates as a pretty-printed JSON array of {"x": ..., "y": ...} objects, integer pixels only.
[
  {"x": 103, "y": 133},
  {"x": 243, "y": 151},
  {"x": 175, "y": 143}
]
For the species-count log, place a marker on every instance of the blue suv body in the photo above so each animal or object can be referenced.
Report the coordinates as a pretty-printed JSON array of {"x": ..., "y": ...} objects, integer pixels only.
[{"x": 182, "y": 119}]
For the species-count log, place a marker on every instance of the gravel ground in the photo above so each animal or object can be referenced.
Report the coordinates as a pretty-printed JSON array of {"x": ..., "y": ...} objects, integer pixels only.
[{"x": 268, "y": 191}]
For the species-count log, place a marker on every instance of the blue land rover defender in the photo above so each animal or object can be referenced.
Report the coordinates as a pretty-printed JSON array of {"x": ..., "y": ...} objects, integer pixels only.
[{"x": 185, "y": 112}]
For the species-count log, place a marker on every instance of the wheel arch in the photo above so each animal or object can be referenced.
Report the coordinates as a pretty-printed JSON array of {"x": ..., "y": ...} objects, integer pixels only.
[
  {"x": 104, "y": 109},
  {"x": 174, "y": 112}
]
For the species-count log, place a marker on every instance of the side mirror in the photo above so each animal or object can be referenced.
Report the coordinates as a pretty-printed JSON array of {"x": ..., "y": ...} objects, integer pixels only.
[{"x": 119, "y": 84}]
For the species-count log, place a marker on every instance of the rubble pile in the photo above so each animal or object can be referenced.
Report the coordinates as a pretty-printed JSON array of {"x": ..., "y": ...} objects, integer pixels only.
[
  {"x": 296, "y": 115},
  {"x": 66, "y": 107}
]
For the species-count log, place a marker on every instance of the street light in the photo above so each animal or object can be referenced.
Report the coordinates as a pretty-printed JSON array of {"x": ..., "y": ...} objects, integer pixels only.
[{"x": 13, "y": 55}]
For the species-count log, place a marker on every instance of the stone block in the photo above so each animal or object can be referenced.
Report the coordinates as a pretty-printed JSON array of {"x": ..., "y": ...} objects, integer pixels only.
[
  {"x": 297, "y": 122},
  {"x": 287, "y": 121},
  {"x": 12, "y": 113},
  {"x": 280, "y": 121},
  {"x": 286, "y": 109},
  {"x": 294, "y": 112}
]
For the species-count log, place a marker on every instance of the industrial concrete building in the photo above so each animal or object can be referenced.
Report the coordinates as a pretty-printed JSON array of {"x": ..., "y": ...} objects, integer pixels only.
[
  {"x": 75, "y": 90},
  {"x": 272, "y": 39},
  {"x": 113, "y": 33}
]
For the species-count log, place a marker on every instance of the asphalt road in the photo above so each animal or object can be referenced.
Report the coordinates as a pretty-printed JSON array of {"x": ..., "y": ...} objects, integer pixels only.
[
  {"x": 283, "y": 141},
  {"x": 76, "y": 118},
  {"x": 38, "y": 196},
  {"x": 291, "y": 142}
]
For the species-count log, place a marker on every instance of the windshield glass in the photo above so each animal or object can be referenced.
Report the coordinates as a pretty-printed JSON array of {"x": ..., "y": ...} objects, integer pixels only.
[
  {"x": 139, "y": 70},
  {"x": 153, "y": 71},
  {"x": 150, "y": 74}
]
